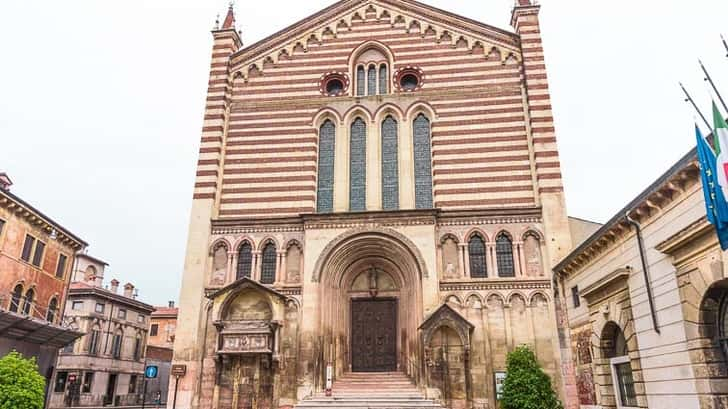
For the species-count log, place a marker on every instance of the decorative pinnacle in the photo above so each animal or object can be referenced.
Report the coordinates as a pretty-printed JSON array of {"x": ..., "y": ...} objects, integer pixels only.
[{"x": 230, "y": 18}]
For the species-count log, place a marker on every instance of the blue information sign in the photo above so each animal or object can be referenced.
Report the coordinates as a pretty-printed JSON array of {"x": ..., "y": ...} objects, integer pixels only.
[{"x": 151, "y": 372}]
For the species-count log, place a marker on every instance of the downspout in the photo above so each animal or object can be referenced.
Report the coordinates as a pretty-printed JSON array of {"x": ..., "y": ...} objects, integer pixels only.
[{"x": 643, "y": 259}]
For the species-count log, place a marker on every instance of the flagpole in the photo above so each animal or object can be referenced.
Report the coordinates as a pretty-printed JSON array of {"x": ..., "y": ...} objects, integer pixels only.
[
  {"x": 690, "y": 99},
  {"x": 725, "y": 44},
  {"x": 712, "y": 84}
]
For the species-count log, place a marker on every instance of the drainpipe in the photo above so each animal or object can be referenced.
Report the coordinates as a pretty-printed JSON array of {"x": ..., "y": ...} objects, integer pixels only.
[{"x": 643, "y": 259}]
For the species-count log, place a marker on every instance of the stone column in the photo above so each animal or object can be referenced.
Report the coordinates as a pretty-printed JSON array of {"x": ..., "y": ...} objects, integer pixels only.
[
  {"x": 439, "y": 270},
  {"x": 284, "y": 268},
  {"x": 256, "y": 267},
  {"x": 491, "y": 260},
  {"x": 465, "y": 260},
  {"x": 517, "y": 264},
  {"x": 230, "y": 274},
  {"x": 279, "y": 268}
]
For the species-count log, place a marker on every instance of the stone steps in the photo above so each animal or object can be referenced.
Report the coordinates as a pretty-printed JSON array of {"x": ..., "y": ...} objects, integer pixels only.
[{"x": 386, "y": 390}]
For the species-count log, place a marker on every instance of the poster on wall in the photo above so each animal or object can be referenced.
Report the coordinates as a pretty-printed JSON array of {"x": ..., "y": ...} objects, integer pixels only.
[{"x": 500, "y": 377}]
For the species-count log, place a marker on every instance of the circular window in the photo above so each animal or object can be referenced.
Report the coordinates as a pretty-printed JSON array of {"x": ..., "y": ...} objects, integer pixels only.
[
  {"x": 409, "y": 79},
  {"x": 409, "y": 82},
  {"x": 334, "y": 84}
]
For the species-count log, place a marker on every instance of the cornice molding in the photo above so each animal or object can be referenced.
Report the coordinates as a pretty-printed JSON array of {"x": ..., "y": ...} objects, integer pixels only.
[{"x": 497, "y": 284}]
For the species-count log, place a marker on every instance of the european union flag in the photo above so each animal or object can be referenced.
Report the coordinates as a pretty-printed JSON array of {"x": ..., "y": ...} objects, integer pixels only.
[{"x": 715, "y": 204}]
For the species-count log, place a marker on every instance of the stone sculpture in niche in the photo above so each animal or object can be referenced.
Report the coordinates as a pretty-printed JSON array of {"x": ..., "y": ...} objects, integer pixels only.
[{"x": 293, "y": 264}]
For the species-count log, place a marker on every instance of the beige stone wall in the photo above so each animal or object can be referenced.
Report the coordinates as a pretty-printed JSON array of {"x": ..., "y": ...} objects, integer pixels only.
[{"x": 680, "y": 366}]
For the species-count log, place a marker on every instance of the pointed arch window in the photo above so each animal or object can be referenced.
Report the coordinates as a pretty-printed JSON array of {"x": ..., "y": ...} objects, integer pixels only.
[
  {"x": 372, "y": 80},
  {"x": 504, "y": 256},
  {"x": 423, "y": 162},
  {"x": 358, "y": 167},
  {"x": 476, "y": 254},
  {"x": 245, "y": 261},
  {"x": 327, "y": 146},
  {"x": 383, "y": 79},
  {"x": 93, "y": 344},
  {"x": 268, "y": 268},
  {"x": 360, "y": 81},
  {"x": 116, "y": 344},
  {"x": 390, "y": 168},
  {"x": 15, "y": 298},
  {"x": 28, "y": 304},
  {"x": 52, "y": 308}
]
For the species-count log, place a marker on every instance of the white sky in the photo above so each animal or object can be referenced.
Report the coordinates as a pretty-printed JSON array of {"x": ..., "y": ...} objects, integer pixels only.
[{"x": 101, "y": 106}]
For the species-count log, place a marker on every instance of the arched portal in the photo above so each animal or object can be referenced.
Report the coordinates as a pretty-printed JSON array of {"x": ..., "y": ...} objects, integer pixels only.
[{"x": 371, "y": 280}]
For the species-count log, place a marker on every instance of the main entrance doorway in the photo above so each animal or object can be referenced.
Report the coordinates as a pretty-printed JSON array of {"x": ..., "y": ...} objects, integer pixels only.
[{"x": 373, "y": 335}]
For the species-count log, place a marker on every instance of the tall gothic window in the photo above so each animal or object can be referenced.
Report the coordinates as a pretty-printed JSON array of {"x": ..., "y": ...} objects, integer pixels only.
[
  {"x": 504, "y": 256},
  {"x": 268, "y": 267},
  {"x": 383, "y": 79},
  {"x": 360, "y": 81},
  {"x": 52, "y": 308},
  {"x": 476, "y": 254},
  {"x": 327, "y": 144},
  {"x": 28, "y": 305},
  {"x": 15, "y": 298},
  {"x": 390, "y": 169},
  {"x": 358, "y": 166},
  {"x": 372, "y": 80},
  {"x": 245, "y": 261},
  {"x": 423, "y": 162}
]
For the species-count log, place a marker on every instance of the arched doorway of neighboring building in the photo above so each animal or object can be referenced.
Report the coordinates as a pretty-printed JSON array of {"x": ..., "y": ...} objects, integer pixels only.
[
  {"x": 616, "y": 352},
  {"x": 713, "y": 336},
  {"x": 370, "y": 303}
]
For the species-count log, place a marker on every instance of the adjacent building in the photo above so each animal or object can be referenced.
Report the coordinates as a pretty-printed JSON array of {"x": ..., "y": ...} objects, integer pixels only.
[
  {"x": 378, "y": 189},
  {"x": 105, "y": 366},
  {"x": 159, "y": 349},
  {"x": 647, "y": 302},
  {"x": 36, "y": 260}
]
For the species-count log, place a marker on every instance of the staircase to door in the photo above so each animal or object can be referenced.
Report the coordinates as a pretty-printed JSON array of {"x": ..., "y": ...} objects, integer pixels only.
[{"x": 362, "y": 390}]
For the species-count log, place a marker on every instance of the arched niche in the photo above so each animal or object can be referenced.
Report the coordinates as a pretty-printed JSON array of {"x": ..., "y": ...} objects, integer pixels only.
[{"x": 248, "y": 305}]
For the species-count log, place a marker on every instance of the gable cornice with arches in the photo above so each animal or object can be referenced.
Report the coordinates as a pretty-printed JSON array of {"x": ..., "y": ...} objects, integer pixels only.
[{"x": 332, "y": 21}]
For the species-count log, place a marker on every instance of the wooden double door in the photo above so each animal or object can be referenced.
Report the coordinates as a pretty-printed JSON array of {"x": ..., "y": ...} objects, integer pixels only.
[{"x": 374, "y": 335}]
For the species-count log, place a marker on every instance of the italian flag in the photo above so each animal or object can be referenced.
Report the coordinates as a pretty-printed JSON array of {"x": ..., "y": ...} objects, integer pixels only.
[{"x": 720, "y": 139}]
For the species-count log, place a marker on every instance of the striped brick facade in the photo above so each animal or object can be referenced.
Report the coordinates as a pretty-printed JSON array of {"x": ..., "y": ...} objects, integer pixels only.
[{"x": 496, "y": 192}]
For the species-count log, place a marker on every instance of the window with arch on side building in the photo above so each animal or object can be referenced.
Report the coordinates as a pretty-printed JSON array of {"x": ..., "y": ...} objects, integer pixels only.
[{"x": 15, "y": 298}]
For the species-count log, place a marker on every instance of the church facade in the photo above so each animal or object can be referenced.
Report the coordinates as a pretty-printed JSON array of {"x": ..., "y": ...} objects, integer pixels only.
[{"x": 378, "y": 190}]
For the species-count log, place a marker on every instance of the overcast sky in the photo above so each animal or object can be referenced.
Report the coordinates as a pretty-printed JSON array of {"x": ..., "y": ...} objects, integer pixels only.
[{"x": 101, "y": 106}]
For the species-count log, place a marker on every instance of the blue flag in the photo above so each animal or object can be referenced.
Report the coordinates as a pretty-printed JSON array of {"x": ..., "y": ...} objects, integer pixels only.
[{"x": 715, "y": 204}]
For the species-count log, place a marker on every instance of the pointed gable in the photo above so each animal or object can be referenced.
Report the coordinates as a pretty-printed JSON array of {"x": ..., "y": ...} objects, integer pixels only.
[{"x": 415, "y": 17}]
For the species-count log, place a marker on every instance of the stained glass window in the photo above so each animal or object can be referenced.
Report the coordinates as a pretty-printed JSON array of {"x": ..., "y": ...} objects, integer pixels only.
[
  {"x": 423, "y": 163},
  {"x": 372, "y": 80},
  {"x": 358, "y": 167},
  {"x": 390, "y": 169},
  {"x": 504, "y": 256},
  {"x": 383, "y": 79},
  {"x": 245, "y": 260},
  {"x": 325, "y": 191},
  {"x": 268, "y": 269},
  {"x": 360, "y": 81},
  {"x": 476, "y": 253}
]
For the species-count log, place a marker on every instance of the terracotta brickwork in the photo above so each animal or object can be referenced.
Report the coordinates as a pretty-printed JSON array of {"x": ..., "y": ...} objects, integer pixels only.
[{"x": 466, "y": 212}]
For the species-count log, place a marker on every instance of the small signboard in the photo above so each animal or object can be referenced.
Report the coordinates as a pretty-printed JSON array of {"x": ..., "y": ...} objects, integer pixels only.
[
  {"x": 151, "y": 371},
  {"x": 179, "y": 370},
  {"x": 500, "y": 377},
  {"x": 72, "y": 378}
]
